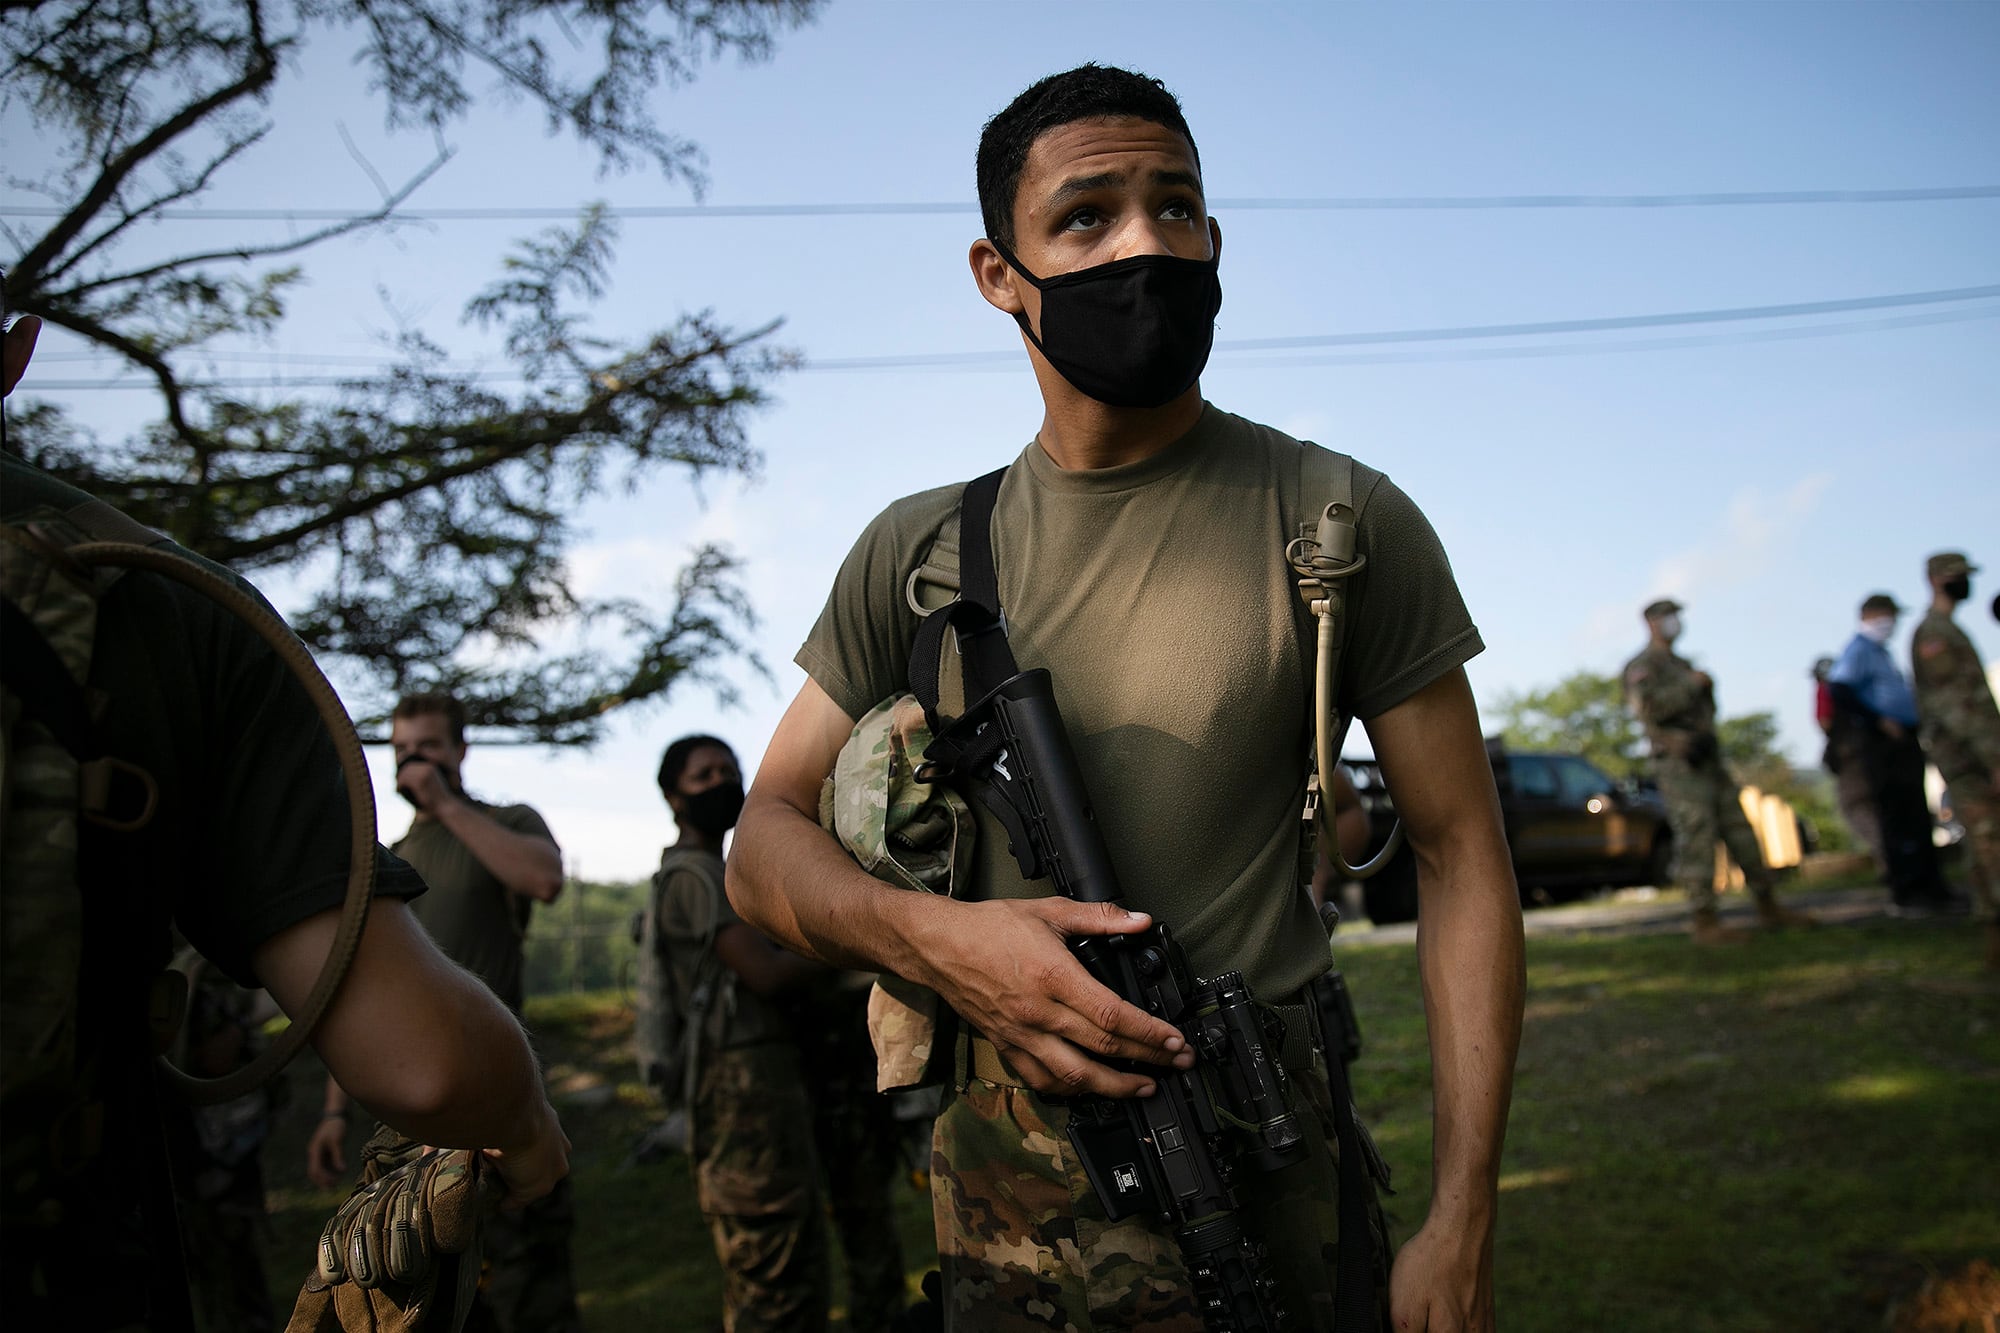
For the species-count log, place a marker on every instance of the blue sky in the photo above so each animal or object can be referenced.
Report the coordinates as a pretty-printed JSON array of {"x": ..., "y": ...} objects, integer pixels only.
[{"x": 1770, "y": 473}]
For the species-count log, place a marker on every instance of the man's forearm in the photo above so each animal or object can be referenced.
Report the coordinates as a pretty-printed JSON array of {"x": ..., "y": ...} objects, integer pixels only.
[
  {"x": 528, "y": 865},
  {"x": 1470, "y": 953},
  {"x": 414, "y": 1038},
  {"x": 790, "y": 879}
]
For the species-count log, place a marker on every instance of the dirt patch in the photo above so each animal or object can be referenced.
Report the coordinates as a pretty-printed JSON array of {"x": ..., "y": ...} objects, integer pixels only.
[{"x": 1963, "y": 1300}]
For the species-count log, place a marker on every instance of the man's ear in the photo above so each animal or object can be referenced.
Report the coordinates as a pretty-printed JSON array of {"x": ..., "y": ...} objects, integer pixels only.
[
  {"x": 18, "y": 347},
  {"x": 1214, "y": 239},
  {"x": 994, "y": 277}
]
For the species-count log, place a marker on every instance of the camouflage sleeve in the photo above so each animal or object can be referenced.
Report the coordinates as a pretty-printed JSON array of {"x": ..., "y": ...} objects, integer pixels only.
[
  {"x": 1954, "y": 698},
  {"x": 1677, "y": 695},
  {"x": 1659, "y": 693}
]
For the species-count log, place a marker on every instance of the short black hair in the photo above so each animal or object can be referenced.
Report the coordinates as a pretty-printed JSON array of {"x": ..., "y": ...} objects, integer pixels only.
[
  {"x": 675, "y": 761},
  {"x": 1083, "y": 93}
]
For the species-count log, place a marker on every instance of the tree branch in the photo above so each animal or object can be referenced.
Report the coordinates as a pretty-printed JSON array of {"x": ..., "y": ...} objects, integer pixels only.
[
  {"x": 245, "y": 254},
  {"x": 129, "y": 216},
  {"x": 83, "y": 326},
  {"x": 333, "y": 515},
  {"x": 262, "y": 69}
]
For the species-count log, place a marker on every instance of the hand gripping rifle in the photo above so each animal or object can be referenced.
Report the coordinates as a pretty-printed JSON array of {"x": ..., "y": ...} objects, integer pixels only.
[{"x": 1174, "y": 1154}]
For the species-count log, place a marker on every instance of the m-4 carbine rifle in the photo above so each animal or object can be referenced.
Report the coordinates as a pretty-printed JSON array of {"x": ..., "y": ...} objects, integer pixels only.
[{"x": 1174, "y": 1154}]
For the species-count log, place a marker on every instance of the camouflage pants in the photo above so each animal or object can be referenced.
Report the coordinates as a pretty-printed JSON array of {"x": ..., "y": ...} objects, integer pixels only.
[
  {"x": 757, "y": 1177},
  {"x": 1978, "y": 809},
  {"x": 1703, "y": 806},
  {"x": 1024, "y": 1243},
  {"x": 527, "y": 1284}
]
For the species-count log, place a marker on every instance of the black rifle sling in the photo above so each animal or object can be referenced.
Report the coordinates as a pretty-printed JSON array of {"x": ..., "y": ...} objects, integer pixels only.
[
  {"x": 1354, "y": 1304},
  {"x": 975, "y": 615}
]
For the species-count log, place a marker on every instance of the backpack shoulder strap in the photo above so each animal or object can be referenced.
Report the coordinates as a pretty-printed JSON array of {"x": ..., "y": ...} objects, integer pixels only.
[
  {"x": 678, "y": 859},
  {"x": 975, "y": 614}
]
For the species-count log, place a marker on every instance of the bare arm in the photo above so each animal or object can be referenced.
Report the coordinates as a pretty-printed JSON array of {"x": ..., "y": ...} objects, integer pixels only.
[
  {"x": 1002, "y": 965},
  {"x": 423, "y": 1044},
  {"x": 1470, "y": 954},
  {"x": 326, "y": 1150},
  {"x": 526, "y": 863}
]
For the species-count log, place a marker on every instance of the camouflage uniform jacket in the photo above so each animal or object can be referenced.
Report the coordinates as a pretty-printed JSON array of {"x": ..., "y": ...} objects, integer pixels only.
[
  {"x": 1671, "y": 704},
  {"x": 1961, "y": 724}
]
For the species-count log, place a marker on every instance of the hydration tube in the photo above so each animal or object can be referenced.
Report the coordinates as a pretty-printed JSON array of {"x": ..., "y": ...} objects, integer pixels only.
[
  {"x": 1323, "y": 563},
  {"x": 360, "y": 804}
]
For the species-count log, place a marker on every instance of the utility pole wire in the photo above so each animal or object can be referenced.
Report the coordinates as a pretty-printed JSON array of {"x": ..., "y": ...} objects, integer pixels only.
[
  {"x": 1000, "y": 358},
  {"x": 1356, "y": 203}
]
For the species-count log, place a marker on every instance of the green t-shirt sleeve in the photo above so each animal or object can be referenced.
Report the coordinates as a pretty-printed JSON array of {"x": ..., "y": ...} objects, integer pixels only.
[
  {"x": 524, "y": 819},
  {"x": 686, "y": 901},
  {"x": 258, "y": 817},
  {"x": 1409, "y": 625},
  {"x": 859, "y": 649}
]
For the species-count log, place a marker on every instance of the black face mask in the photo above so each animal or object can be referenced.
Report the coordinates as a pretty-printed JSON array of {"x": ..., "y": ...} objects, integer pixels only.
[
  {"x": 1132, "y": 333},
  {"x": 1959, "y": 587},
  {"x": 714, "y": 811}
]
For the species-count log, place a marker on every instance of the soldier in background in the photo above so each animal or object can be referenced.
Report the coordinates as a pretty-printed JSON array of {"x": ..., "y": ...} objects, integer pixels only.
[
  {"x": 1961, "y": 730},
  {"x": 1675, "y": 703},
  {"x": 485, "y": 866},
  {"x": 1870, "y": 688},
  {"x": 786, "y": 1115},
  {"x": 756, "y": 1172}
]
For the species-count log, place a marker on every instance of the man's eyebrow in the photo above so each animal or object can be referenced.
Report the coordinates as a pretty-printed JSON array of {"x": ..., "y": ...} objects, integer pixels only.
[
  {"x": 1079, "y": 185},
  {"x": 1185, "y": 179}
]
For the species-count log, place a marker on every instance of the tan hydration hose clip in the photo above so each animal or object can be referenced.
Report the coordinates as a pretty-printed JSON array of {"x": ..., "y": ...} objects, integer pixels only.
[{"x": 1324, "y": 562}]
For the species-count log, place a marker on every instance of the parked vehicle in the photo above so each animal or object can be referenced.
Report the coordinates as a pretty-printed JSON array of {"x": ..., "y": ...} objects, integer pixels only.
[{"x": 1570, "y": 828}]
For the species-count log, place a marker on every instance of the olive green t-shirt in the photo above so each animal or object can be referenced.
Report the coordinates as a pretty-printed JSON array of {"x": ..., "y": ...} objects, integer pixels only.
[
  {"x": 476, "y": 920},
  {"x": 693, "y": 910},
  {"x": 1157, "y": 595}
]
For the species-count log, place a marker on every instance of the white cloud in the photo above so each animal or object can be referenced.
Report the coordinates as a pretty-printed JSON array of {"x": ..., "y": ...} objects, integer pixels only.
[
  {"x": 1737, "y": 552},
  {"x": 1740, "y": 553}
]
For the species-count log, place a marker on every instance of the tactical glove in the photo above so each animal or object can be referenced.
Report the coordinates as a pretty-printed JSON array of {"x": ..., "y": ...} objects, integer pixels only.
[{"x": 402, "y": 1253}]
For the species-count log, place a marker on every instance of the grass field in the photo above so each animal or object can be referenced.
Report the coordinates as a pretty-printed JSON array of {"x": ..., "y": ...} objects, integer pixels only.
[{"x": 1793, "y": 1135}]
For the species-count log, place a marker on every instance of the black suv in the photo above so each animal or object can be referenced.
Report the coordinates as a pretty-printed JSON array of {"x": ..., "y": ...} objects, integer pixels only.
[{"x": 1571, "y": 829}]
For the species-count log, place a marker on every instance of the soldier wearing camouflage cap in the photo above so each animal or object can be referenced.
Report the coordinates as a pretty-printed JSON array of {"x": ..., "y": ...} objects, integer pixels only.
[
  {"x": 1675, "y": 702},
  {"x": 1961, "y": 729}
]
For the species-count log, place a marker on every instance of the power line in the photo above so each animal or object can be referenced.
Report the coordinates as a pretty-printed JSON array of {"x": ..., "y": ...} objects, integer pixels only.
[
  {"x": 1465, "y": 332},
  {"x": 1351, "y": 203}
]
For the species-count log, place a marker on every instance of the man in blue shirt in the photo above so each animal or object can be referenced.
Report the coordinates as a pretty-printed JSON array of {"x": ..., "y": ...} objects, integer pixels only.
[{"x": 1873, "y": 703}]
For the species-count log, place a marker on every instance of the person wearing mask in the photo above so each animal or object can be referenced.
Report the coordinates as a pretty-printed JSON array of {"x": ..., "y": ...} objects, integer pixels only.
[
  {"x": 1871, "y": 694},
  {"x": 1961, "y": 730},
  {"x": 1137, "y": 543},
  {"x": 756, "y": 1172},
  {"x": 1675, "y": 702}
]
